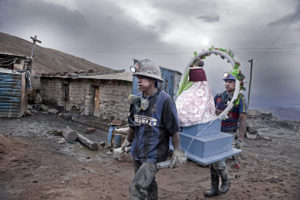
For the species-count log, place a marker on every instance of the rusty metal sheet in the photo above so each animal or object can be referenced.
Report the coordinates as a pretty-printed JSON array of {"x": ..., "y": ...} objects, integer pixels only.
[{"x": 11, "y": 87}]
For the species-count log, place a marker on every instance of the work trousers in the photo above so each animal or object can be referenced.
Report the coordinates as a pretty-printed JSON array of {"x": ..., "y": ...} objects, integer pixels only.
[
  {"x": 219, "y": 165},
  {"x": 143, "y": 185}
]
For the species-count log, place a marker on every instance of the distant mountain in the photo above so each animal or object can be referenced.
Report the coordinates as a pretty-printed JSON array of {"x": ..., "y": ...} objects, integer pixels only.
[
  {"x": 283, "y": 112},
  {"x": 46, "y": 60}
]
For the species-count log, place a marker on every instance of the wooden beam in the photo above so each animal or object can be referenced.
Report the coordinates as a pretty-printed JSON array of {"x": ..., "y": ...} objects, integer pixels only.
[{"x": 87, "y": 142}]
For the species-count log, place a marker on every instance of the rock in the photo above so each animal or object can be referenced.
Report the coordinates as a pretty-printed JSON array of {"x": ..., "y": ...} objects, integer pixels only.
[
  {"x": 274, "y": 179},
  {"x": 253, "y": 113},
  {"x": 55, "y": 132},
  {"x": 74, "y": 117},
  {"x": 90, "y": 130},
  {"x": 251, "y": 136},
  {"x": 263, "y": 136},
  {"x": 29, "y": 107},
  {"x": 52, "y": 111},
  {"x": 259, "y": 114},
  {"x": 27, "y": 112},
  {"x": 37, "y": 106},
  {"x": 37, "y": 98},
  {"x": 67, "y": 116},
  {"x": 44, "y": 107},
  {"x": 266, "y": 115},
  {"x": 288, "y": 124},
  {"x": 34, "y": 111},
  {"x": 267, "y": 129},
  {"x": 102, "y": 144},
  {"x": 267, "y": 138},
  {"x": 252, "y": 130},
  {"x": 62, "y": 140}
]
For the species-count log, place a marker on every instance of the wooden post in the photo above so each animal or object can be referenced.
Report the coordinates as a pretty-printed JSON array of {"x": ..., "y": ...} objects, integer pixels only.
[
  {"x": 34, "y": 41},
  {"x": 251, "y": 62}
]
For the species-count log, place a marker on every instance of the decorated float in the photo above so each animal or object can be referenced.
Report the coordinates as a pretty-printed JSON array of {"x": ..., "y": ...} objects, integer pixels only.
[{"x": 200, "y": 135}]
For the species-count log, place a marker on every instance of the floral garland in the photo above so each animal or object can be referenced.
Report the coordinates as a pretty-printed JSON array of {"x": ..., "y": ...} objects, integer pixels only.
[{"x": 236, "y": 72}]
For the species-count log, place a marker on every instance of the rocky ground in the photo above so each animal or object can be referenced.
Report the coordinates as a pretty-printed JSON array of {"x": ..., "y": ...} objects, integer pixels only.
[{"x": 37, "y": 165}]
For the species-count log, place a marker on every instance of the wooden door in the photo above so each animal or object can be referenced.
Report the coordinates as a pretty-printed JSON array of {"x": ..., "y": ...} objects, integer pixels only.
[{"x": 96, "y": 102}]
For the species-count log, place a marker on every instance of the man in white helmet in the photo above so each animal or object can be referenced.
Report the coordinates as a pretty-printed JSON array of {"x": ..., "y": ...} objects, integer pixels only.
[{"x": 152, "y": 123}]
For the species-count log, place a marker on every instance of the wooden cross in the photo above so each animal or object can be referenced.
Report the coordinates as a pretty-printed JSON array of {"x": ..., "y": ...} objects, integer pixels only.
[{"x": 34, "y": 40}]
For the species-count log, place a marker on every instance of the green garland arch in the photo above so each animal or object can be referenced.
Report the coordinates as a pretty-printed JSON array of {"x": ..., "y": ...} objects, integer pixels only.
[{"x": 236, "y": 72}]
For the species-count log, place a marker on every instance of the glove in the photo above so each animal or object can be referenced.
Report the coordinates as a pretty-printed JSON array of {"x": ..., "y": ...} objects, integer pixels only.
[
  {"x": 126, "y": 143},
  {"x": 238, "y": 144},
  {"x": 178, "y": 158}
]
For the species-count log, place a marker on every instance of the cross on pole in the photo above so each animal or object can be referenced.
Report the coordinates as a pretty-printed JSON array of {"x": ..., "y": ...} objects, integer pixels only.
[{"x": 34, "y": 40}]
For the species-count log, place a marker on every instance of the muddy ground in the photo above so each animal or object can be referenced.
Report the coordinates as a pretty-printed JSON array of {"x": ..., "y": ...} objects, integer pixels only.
[{"x": 34, "y": 165}]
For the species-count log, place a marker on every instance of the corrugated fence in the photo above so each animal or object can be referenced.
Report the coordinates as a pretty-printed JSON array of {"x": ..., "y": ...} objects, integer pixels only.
[{"x": 12, "y": 94}]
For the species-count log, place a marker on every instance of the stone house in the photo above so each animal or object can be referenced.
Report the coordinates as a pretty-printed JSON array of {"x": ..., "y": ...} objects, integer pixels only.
[{"x": 100, "y": 95}]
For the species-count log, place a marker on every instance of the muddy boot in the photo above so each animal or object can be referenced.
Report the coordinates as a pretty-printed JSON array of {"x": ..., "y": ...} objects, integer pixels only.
[
  {"x": 225, "y": 181},
  {"x": 214, "y": 190}
]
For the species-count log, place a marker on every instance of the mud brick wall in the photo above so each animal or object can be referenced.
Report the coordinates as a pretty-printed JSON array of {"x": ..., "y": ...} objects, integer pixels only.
[
  {"x": 114, "y": 99},
  {"x": 88, "y": 102},
  {"x": 51, "y": 91},
  {"x": 35, "y": 82},
  {"x": 79, "y": 91},
  {"x": 112, "y": 96}
]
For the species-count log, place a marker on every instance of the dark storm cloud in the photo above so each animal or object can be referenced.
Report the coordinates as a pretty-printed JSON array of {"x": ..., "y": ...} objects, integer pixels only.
[
  {"x": 94, "y": 29},
  {"x": 209, "y": 18},
  {"x": 26, "y": 13},
  {"x": 102, "y": 31},
  {"x": 290, "y": 18}
]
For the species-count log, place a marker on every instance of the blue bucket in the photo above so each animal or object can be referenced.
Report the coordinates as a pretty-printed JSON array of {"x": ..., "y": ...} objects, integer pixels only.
[{"x": 117, "y": 140}]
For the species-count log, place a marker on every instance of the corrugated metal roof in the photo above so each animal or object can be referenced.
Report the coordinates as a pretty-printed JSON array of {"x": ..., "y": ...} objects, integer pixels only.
[
  {"x": 8, "y": 60},
  {"x": 12, "y": 55},
  {"x": 124, "y": 76}
]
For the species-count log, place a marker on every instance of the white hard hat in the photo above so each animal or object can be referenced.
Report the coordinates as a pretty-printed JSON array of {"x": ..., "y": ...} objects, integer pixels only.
[{"x": 146, "y": 68}]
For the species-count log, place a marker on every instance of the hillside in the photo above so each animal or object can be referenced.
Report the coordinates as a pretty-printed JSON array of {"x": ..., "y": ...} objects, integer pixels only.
[{"x": 46, "y": 60}]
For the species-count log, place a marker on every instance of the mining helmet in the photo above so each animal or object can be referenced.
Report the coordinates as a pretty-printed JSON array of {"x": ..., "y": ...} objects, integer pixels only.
[
  {"x": 228, "y": 76},
  {"x": 146, "y": 68}
]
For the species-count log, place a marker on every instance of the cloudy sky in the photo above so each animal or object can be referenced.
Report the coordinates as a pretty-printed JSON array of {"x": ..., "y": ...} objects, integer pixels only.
[{"x": 111, "y": 33}]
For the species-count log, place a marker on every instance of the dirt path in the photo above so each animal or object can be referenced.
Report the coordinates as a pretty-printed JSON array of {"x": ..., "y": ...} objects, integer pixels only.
[{"x": 33, "y": 165}]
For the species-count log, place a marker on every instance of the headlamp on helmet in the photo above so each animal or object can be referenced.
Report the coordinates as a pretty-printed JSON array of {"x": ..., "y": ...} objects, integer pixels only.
[
  {"x": 132, "y": 69},
  {"x": 228, "y": 76},
  {"x": 136, "y": 66}
]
